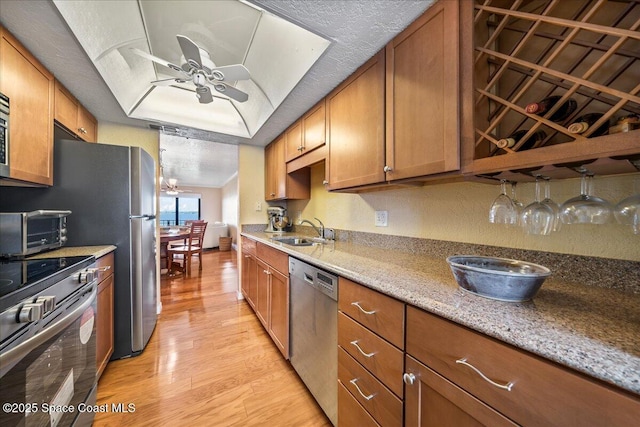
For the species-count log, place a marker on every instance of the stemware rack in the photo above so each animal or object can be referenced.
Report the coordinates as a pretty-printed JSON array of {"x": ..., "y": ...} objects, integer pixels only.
[{"x": 527, "y": 50}]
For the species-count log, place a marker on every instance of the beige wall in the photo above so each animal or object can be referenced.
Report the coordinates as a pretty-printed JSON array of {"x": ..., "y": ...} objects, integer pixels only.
[
  {"x": 230, "y": 207},
  {"x": 117, "y": 134},
  {"x": 251, "y": 185},
  {"x": 458, "y": 212}
]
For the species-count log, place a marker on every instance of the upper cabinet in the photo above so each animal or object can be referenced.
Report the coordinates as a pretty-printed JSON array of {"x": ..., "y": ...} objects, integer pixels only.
[
  {"x": 280, "y": 185},
  {"x": 306, "y": 134},
  {"x": 582, "y": 62},
  {"x": 30, "y": 88},
  {"x": 355, "y": 127},
  {"x": 422, "y": 130},
  {"x": 397, "y": 118},
  {"x": 73, "y": 116}
]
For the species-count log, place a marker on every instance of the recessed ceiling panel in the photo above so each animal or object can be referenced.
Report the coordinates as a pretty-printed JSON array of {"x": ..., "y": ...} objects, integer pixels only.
[
  {"x": 276, "y": 52},
  {"x": 179, "y": 107}
]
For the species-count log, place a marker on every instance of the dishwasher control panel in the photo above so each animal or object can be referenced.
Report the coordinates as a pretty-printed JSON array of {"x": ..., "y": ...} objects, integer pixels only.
[{"x": 321, "y": 280}]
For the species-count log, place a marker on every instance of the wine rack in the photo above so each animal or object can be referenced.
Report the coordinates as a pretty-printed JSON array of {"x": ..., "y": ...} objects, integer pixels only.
[{"x": 528, "y": 50}]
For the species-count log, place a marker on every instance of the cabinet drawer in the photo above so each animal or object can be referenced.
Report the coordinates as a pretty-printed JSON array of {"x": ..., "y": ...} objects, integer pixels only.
[
  {"x": 380, "y": 313},
  {"x": 275, "y": 258},
  {"x": 106, "y": 266},
  {"x": 248, "y": 246},
  {"x": 382, "y": 404},
  {"x": 541, "y": 393},
  {"x": 381, "y": 358},
  {"x": 350, "y": 412}
]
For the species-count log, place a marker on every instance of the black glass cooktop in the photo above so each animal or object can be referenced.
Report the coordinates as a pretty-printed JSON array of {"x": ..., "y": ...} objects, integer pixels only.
[{"x": 24, "y": 277}]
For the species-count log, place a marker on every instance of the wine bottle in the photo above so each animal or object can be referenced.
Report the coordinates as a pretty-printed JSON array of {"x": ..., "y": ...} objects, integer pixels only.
[
  {"x": 514, "y": 138},
  {"x": 540, "y": 108},
  {"x": 584, "y": 123}
]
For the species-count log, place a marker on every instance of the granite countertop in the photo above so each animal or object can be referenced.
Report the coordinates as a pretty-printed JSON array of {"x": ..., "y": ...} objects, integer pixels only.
[
  {"x": 591, "y": 329},
  {"x": 96, "y": 251}
]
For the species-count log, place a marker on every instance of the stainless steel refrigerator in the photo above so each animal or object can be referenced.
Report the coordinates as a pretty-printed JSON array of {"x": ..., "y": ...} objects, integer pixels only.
[{"x": 111, "y": 192}]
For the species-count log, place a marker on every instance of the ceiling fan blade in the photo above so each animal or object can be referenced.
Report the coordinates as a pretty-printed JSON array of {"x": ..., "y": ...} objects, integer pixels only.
[
  {"x": 167, "y": 82},
  {"x": 231, "y": 92},
  {"x": 190, "y": 50},
  {"x": 231, "y": 73},
  {"x": 204, "y": 94},
  {"x": 156, "y": 59}
]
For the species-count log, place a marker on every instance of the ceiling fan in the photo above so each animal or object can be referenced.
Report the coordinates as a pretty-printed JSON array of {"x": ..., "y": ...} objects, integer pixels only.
[
  {"x": 171, "y": 187},
  {"x": 198, "y": 68}
]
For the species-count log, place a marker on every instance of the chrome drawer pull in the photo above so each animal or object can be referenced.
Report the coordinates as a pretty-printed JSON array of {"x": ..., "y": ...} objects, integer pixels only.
[
  {"x": 357, "y": 304},
  {"x": 355, "y": 343},
  {"x": 409, "y": 378},
  {"x": 354, "y": 381},
  {"x": 484, "y": 377}
]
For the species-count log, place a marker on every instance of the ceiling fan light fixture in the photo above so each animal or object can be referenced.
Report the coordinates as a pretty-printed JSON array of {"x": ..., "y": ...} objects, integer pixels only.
[{"x": 172, "y": 193}]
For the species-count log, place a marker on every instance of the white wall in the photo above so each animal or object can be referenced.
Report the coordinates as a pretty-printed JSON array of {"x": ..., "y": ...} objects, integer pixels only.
[{"x": 230, "y": 207}]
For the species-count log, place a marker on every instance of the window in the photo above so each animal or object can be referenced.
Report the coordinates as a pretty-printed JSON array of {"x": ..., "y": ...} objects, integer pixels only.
[{"x": 177, "y": 210}]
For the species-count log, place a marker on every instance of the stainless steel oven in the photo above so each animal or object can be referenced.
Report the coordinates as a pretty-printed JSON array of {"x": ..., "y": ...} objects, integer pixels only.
[
  {"x": 4, "y": 136},
  {"x": 48, "y": 347}
]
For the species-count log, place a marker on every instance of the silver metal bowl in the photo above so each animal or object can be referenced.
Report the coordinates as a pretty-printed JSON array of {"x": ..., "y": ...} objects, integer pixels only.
[{"x": 498, "y": 278}]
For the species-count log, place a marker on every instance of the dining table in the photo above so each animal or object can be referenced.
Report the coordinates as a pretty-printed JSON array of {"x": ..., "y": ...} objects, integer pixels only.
[{"x": 167, "y": 236}]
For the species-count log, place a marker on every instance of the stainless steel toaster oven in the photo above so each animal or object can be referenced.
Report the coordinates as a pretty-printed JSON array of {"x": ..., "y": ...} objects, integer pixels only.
[{"x": 26, "y": 233}]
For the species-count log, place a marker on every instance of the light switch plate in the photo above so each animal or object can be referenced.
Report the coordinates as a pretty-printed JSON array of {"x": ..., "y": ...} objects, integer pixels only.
[
  {"x": 258, "y": 206},
  {"x": 381, "y": 218}
]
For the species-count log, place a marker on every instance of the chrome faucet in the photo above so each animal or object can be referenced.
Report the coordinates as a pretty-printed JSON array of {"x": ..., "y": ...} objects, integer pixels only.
[{"x": 320, "y": 230}]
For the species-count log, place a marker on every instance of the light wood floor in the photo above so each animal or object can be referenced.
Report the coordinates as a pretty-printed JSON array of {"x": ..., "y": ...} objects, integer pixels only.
[{"x": 209, "y": 363}]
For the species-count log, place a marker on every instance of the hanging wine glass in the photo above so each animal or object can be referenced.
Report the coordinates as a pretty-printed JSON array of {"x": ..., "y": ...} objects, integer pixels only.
[
  {"x": 518, "y": 204},
  {"x": 537, "y": 217},
  {"x": 553, "y": 205},
  {"x": 502, "y": 210},
  {"x": 585, "y": 208},
  {"x": 627, "y": 212}
]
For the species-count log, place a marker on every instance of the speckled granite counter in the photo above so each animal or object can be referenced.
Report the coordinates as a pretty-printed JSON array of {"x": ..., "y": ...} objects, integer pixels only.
[
  {"x": 592, "y": 329},
  {"x": 96, "y": 251}
]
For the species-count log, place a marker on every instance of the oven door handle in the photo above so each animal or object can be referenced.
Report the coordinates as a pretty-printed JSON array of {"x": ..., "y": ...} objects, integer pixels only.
[{"x": 9, "y": 358}]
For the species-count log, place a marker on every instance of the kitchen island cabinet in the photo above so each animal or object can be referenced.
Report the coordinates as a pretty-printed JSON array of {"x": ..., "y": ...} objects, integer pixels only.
[{"x": 30, "y": 88}]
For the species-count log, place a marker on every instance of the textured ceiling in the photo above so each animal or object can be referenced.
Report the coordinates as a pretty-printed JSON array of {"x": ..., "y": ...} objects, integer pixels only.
[{"x": 357, "y": 29}]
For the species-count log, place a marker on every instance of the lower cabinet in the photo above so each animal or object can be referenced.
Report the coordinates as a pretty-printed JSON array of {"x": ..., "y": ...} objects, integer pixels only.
[
  {"x": 104, "y": 316},
  {"x": 265, "y": 284},
  {"x": 456, "y": 373}
]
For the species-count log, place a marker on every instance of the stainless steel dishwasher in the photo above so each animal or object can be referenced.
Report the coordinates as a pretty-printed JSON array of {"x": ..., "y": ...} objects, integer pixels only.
[{"x": 314, "y": 332}]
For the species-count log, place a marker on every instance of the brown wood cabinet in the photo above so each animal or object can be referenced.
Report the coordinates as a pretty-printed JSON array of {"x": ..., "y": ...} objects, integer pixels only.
[
  {"x": 104, "y": 316},
  {"x": 307, "y": 134},
  {"x": 520, "y": 54},
  {"x": 422, "y": 96},
  {"x": 272, "y": 294},
  {"x": 370, "y": 356},
  {"x": 249, "y": 286},
  {"x": 280, "y": 185},
  {"x": 355, "y": 127},
  {"x": 73, "y": 116},
  {"x": 522, "y": 387},
  {"x": 30, "y": 88}
]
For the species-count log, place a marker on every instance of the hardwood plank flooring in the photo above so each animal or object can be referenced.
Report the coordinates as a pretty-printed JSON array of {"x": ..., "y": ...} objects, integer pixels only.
[{"x": 209, "y": 362}]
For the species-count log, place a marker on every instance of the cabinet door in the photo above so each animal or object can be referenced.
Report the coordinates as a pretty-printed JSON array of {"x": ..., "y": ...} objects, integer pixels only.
[
  {"x": 279, "y": 312},
  {"x": 66, "y": 108},
  {"x": 422, "y": 96},
  {"x": 30, "y": 88},
  {"x": 432, "y": 401},
  {"x": 275, "y": 170},
  {"x": 250, "y": 279},
  {"x": 87, "y": 126},
  {"x": 314, "y": 127},
  {"x": 104, "y": 324},
  {"x": 262, "y": 294},
  {"x": 355, "y": 127},
  {"x": 294, "y": 147}
]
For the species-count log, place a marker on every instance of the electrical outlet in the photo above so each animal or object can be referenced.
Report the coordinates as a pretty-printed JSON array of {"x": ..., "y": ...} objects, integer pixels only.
[
  {"x": 258, "y": 206},
  {"x": 381, "y": 218}
]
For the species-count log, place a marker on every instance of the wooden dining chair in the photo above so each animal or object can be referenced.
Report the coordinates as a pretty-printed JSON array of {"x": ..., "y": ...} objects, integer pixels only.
[{"x": 193, "y": 247}]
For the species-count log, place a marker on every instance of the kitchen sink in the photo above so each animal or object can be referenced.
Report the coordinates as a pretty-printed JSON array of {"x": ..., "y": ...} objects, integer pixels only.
[{"x": 298, "y": 241}]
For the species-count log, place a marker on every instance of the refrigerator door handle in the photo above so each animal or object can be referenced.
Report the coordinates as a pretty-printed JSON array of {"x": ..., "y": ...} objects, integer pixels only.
[{"x": 148, "y": 217}]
